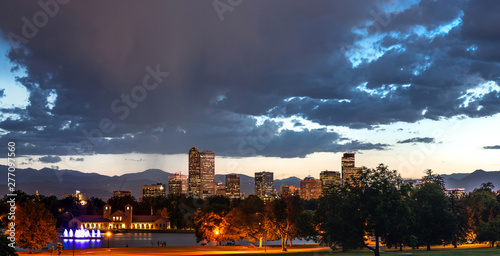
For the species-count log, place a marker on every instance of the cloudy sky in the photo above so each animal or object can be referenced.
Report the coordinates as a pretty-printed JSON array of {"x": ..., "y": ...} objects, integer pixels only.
[{"x": 285, "y": 86}]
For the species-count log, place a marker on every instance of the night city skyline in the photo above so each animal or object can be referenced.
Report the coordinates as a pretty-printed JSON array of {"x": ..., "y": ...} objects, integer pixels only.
[{"x": 288, "y": 88}]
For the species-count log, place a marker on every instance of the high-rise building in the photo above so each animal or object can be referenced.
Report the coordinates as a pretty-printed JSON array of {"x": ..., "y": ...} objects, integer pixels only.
[
  {"x": 194, "y": 179},
  {"x": 288, "y": 190},
  {"x": 310, "y": 188},
  {"x": 177, "y": 184},
  {"x": 329, "y": 179},
  {"x": 264, "y": 185},
  {"x": 122, "y": 193},
  {"x": 349, "y": 170},
  {"x": 207, "y": 173},
  {"x": 201, "y": 173},
  {"x": 233, "y": 186},
  {"x": 154, "y": 190},
  {"x": 221, "y": 189}
]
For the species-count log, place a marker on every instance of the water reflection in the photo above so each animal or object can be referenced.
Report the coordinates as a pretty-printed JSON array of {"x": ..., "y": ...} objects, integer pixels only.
[
  {"x": 147, "y": 240},
  {"x": 82, "y": 243}
]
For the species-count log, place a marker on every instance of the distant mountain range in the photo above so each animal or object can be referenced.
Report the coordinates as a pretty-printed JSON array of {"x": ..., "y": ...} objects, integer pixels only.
[
  {"x": 470, "y": 181},
  {"x": 56, "y": 182}
]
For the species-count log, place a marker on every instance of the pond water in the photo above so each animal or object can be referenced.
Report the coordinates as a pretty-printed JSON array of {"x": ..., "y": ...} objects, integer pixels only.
[{"x": 149, "y": 239}]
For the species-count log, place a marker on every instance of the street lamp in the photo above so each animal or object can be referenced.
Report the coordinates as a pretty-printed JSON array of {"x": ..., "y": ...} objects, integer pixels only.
[
  {"x": 108, "y": 234},
  {"x": 216, "y": 232},
  {"x": 265, "y": 231}
]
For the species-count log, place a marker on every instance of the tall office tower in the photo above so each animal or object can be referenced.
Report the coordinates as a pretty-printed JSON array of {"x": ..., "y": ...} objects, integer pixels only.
[
  {"x": 221, "y": 189},
  {"x": 264, "y": 185},
  {"x": 154, "y": 190},
  {"x": 329, "y": 179},
  {"x": 201, "y": 173},
  {"x": 177, "y": 184},
  {"x": 233, "y": 186},
  {"x": 207, "y": 173},
  {"x": 310, "y": 188},
  {"x": 348, "y": 168},
  {"x": 194, "y": 179},
  {"x": 288, "y": 190}
]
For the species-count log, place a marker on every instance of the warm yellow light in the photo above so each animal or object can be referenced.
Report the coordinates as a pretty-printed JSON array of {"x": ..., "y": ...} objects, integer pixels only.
[
  {"x": 216, "y": 231},
  {"x": 108, "y": 234}
]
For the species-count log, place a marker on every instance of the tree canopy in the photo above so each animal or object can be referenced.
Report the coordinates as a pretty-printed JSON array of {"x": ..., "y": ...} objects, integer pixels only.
[{"x": 35, "y": 226}]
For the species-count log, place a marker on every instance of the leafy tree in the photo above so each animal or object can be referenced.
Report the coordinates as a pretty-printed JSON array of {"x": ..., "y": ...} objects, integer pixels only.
[
  {"x": 35, "y": 226},
  {"x": 211, "y": 226},
  {"x": 399, "y": 230},
  {"x": 163, "y": 212},
  {"x": 384, "y": 211},
  {"x": 433, "y": 178},
  {"x": 458, "y": 208},
  {"x": 338, "y": 219},
  {"x": 282, "y": 215},
  {"x": 210, "y": 223},
  {"x": 305, "y": 227},
  {"x": 434, "y": 222},
  {"x": 489, "y": 232},
  {"x": 247, "y": 220},
  {"x": 95, "y": 206},
  {"x": 119, "y": 203},
  {"x": 181, "y": 209},
  {"x": 481, "y": 205},
  {"x": 5, "y": 249}
]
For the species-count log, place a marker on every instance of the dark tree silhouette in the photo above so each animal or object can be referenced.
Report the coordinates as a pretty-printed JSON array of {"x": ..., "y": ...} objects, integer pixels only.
[
  {"x": 434, "y": 222},
  {"x": 489, "y": 232},
  {"x": 35, "y": 226},
  {"x": 5, "y": 249}
]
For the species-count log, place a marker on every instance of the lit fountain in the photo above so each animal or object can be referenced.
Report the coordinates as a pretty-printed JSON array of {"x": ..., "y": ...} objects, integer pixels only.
[{"x": 81, "y": 233}]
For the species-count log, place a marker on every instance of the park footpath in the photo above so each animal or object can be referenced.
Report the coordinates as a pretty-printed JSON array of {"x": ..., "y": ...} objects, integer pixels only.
[{"x": 184, "y": 250}]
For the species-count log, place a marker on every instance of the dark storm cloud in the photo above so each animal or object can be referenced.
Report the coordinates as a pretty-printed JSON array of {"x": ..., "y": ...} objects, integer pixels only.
[
  {"x": 49, "y": 159},
  {"x": 94, "y": 55},
  {"x": 417, "y": 140},
  {"x": 492, "y": 147}
]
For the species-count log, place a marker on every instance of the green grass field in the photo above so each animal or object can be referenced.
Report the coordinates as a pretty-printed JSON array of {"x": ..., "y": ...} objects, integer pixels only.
[{"x": 436, "y": 251}]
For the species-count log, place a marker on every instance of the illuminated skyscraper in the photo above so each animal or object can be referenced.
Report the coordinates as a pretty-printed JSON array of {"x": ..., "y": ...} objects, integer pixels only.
[
  {"x": 194, "y": 178},
  {"x": 155, "y": 190},
  {"x": 288, "y": 190},
  {"x": 329, "y": 179},
  {"x": 207, "y": 173},
  {"x": 221, "y": 189},
  {"x": 348, "y": 168},
  {"x": 264, "y": 185},
  {"x": 233, "y": 186},
  {"x": 201, "y": 173},
  {"x": 310, "y": 188},
  {"x": 177, "y": 184}
]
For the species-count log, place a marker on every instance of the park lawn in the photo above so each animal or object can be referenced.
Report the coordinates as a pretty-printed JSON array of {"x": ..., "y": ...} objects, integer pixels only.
[{"x": 472, "y": 250}]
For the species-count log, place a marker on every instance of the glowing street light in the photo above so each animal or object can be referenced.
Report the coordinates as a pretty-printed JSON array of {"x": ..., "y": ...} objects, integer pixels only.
[
  {"x": 265, "y": 231},
  {"x": 108, "y": 234}
]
